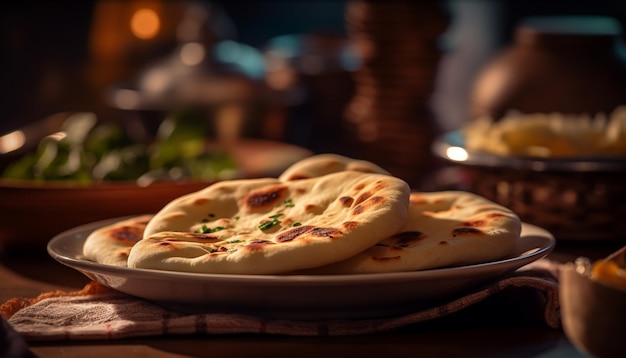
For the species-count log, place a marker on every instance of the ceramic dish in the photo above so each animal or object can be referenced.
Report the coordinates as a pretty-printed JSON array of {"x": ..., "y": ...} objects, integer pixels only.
[
  {"x": 592, "y": 309},
  {"x": 298, "y": 296},
  {"x": 33, "y": 213}
]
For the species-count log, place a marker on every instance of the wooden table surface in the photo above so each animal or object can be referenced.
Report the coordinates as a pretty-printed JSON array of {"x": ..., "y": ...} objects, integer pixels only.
[{"x": 501, "y": 326}]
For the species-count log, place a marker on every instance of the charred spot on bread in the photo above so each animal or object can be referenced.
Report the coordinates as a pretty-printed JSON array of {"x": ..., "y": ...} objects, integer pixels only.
[
  {"x": 127, "y": 235},
  {"x": 465, "y": 231},
  {"x": 386, "y": 258},
  {"x": 293, "y": 233},
  {"x": 363, "y": 197},
  {"x": 346, "y": 201},
  {"x": 123, "y": 253},
  {"x": 327, "y": 232},
  {"x": 314, "y": 209},
  {"x": 266, "y": 198},
  {"x": 258, "y": 244},
  {"x": 366, "y": 205},
  {"x": 407, "y": 238},
  {"x": 350, "y": 225},
  {"x": 474, "y": 223}
]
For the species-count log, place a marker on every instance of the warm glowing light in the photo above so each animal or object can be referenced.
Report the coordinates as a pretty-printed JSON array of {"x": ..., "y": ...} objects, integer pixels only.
[
  {"x": 192, "y": 53},
  {"x": 12, "y": 141},
  {"x": 58, "y": 136},
  {"x": 156, "y": 80},
  {"x": 126, "y": 99},
  {"x": 281, "y": 80},
  {"x": 457, "y": 153},
  {"x": 145, "y": 24}
]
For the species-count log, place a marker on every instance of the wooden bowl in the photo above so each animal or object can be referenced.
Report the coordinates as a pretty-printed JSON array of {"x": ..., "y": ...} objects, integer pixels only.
[
  {"x": 33, "y": 213},
  {"x": 593, "y": 314}
]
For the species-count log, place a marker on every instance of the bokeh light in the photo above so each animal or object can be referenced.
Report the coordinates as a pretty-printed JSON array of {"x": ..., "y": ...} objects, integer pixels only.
[{"x": 145, "y": 24}]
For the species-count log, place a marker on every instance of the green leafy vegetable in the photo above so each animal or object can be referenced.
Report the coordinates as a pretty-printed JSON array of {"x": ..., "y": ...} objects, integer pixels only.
[
  {"x": 270, "y": 223},
  {"x": 207, "y": 230},
  {"x": 86, "y": 151}
]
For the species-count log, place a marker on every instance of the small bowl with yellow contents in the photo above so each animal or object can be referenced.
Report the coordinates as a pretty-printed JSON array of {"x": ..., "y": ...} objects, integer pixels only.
[{"x": 593, "y": 304}]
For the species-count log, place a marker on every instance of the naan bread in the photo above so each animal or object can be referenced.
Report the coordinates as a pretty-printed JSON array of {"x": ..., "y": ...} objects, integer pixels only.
[
  {"x": 111, "y": 244},
  {"x": 267, "y": 226},
  {"x": 323, "y": 164},
  {"x": 444, "y": 229}
]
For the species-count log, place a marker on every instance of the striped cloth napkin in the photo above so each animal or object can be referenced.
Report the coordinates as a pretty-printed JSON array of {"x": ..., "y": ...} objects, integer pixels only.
[{"x": 97, "y": 312}]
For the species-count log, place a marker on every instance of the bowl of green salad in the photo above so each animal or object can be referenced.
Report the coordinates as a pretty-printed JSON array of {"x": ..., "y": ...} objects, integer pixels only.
[{"x": 80, "y": 169}]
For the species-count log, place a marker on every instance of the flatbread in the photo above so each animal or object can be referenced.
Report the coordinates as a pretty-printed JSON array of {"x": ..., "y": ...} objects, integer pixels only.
[
  {"x": 111, "y": 244},
  {"x": 267, "y": 226},
  {"x": 448, "y": 228},
  {"x": 324, "y": 164}
]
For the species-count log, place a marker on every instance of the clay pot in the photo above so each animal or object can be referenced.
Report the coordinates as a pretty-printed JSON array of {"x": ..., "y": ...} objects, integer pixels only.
[
  {"x": 567, "y": 64},
  {"x": 592, "y": 314}
]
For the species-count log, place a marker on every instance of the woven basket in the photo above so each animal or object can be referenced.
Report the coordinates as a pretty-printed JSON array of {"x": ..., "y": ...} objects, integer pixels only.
[{"x": 583, "y": 205}]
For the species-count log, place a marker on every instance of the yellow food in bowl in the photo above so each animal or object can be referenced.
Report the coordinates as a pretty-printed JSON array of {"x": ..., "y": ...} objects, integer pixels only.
[
  {"x": 609, "y": 273},
  {"x": 591, "y": 310},
  {"x": 550, "y": 135}
]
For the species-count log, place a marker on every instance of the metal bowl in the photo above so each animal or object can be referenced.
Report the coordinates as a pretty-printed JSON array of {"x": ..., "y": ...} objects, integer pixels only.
[{"x": 451, "y": 147}]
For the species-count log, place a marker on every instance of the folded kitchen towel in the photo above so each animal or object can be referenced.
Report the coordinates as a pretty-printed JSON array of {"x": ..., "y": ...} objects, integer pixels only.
[{"x": 97, "y": 312}]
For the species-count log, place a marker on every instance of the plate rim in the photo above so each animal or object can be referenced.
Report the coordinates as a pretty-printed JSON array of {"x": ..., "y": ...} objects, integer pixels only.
[
  {"x": 547, "y": 244},
  {"x": 319, "y": 297}
]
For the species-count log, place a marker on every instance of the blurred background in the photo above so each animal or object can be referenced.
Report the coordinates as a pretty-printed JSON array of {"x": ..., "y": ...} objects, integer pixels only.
[
  {"x": 65, "y": 56},
  {"x": 318, "y": 74}
]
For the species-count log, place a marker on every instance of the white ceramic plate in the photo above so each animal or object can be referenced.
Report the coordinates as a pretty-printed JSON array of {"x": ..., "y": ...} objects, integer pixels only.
[{"x": 301, "y": 297}]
